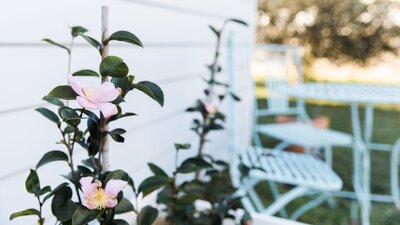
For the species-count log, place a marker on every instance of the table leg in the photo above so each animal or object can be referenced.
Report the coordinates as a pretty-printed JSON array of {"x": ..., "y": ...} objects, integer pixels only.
[{"x": 361, "y": 170}]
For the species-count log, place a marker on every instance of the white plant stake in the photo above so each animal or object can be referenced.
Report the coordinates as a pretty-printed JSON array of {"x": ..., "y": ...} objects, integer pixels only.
[{"x": 104, "y": 148}]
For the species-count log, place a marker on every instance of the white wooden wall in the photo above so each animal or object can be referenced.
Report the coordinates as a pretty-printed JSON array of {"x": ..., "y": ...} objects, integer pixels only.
[{"x": 178, "y": 45}]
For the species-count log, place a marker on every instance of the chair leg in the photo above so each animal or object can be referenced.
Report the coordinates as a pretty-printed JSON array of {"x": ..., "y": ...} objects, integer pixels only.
[
  {"x": 328, "y": 155},
  {"x": 394, "y": 174},
  {"x": 354, "y": 212},
  {"x": 277, "y": 195},
  {"x": 286, "y": 199},
  {"x": 308, "y": 206}
]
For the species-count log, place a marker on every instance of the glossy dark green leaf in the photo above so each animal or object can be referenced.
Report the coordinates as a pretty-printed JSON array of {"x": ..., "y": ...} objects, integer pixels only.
[
  {"x": 182, "y": 146},
  {"x": 53, "y": 100},
  {"x": 188, "y": 198},
  {"x": 157, "y": 170},
  {"x": 52, "y": 156},
  {"x": 32, "y": 183},
  {"x": 119, "y": 222},
  {"x": 62, "y": 206},
  {"x": 235, "y": 97},
  {"x": 63, "y": 92},
  {"x": 118, "y": 100},
  {"x": 26, "y": 212},
  {"x": 193, "y": 165},
  {"x": 83, "y": 215},
  {"x": 116, "y": 134},
  {"x": 241, "y": 22},
  {"x": 151, "y": 184},
  {"x": 70, "y": 116},
  {"x": 75, "y": 30},
  {"x": 113, "y": 66},
  {"x": 86, "y": 73},
  {"x": 119, "y": 116},
  {"x": 45, "y": 190},
  {"x": 147, "y": 215},
  {"x": 91, "y": 41},
  {"x": 126, "y": 36},
  {"x": 57, "y": 44},
  {"x": 152, "y": 90},
  {"x": 124, "y": 206},
  {"x": 118, "y": 175},
  {"x": 49, "y": 115},
  {"x": 54, "y": 191}
]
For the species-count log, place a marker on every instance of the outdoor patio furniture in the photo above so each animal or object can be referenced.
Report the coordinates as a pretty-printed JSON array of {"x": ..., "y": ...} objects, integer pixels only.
[
  {"x": 366, "y": 95},
  {"x": 278, "y": 60},
  {"x": 309, "y": 175}
]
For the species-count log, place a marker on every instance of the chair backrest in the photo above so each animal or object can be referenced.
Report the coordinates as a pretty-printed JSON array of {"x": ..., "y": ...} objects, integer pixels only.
[{"x": 280, "y": 65}]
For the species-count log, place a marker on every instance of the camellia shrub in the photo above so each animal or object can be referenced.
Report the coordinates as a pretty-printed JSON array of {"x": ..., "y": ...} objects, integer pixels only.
[
  {"x": 91, "y": 191},
  {"x": 208, "y": 198}
]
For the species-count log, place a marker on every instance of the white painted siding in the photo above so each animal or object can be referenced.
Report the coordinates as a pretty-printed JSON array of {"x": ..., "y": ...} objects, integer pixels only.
[{"x": 178, "y": 45}]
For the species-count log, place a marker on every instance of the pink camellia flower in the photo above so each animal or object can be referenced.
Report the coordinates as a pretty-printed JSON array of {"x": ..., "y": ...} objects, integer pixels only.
[
  {"x": 96, "y": 96},
  {"x": 95, "y": 197},
  {"x": 210, "y": 107}
]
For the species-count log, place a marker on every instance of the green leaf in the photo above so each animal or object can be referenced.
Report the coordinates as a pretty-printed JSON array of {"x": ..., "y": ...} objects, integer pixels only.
[
  {"x": 86, "y": 73},
  {"x": 193, "y": 165},
  {"x": 188, "y": 198},
  {"x": 53, "y": 100},
  {"x": 26, "y": 212},
  {"x": 45, "y": 190},
  {"x": 157, "y": 170},
  {"x": 77, "y": 29},
  {"x": 83, "y": 215},
  {"x": 119, "y": 116},
  {"x": 32, "y": 183},
  {"x": 215, "y": 31},
  {"x": 54, "y": 191},
  {"x": 241, "y": 22},
  {"x": 52, "y": 156},
  {"x": 147, "y": 216},
  {"x": 69, "y": 116},
  {"x": 49, "y": 115},
  {"x": 119, "y": 175},
  {"x": 62, "y": 206},
  {"x": 63, "y": 92},
  {"x": 235, "y": 97},
  {"x": 116, "y": 134},
  {"x": 151, "y": 184},
  {"x": 152, "y": 90},
  {"x": 57, "y": 44},
  {"x": 113, "y": 66},
  {"x": 91, "y": 41},
  {"x": 182, "y": 146},
  {"x": 124, "y": 206},
  {"x": 119, "y": 222},
  {"x": 126, "y": 36},
  {"x": 123, "y": 83}
]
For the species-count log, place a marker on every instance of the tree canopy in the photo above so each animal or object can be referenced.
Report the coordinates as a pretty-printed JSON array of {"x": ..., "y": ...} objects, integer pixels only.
[{"x": 340, "y": 30}]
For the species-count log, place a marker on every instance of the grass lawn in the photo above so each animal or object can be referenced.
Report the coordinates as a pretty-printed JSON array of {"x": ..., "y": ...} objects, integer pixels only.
[{"x": 386, "y": 130}]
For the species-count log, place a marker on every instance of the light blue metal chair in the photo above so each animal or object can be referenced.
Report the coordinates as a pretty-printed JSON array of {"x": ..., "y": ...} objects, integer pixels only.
[
  {"x": 277, "y": 59},
  {"x": 309, "y": 175}
]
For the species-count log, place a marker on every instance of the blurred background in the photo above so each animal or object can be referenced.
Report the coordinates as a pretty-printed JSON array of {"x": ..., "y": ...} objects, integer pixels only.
[{"x": 343, "y": 40}]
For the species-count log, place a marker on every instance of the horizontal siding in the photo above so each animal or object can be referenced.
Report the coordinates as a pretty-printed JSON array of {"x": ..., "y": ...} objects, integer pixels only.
[{"x": 178, "y": 45}]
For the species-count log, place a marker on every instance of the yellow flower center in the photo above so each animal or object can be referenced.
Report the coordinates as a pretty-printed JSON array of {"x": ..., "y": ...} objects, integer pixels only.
[
  {"x": 99, "y": 199},
  {"x": 90, "y": 91}
]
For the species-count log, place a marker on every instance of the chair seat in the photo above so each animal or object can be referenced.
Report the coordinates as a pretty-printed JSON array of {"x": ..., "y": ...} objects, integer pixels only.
[
  {"x": 305, "y": 134},
  {"x": 290, "y": 168}
]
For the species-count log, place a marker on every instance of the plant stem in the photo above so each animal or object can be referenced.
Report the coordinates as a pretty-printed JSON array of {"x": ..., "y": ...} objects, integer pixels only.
[
  {"x": 40, "y": 211},
  {"x": 202, "y": 136},
  {"x": 104, "y": 127}
]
